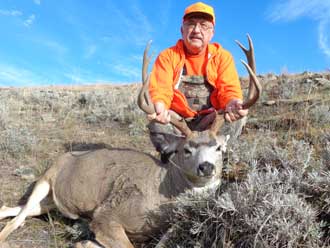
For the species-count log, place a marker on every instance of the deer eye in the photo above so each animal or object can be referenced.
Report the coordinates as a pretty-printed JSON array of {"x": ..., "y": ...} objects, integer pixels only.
[
  {"x": 219, "y": 149},
  {"x": 187, "y": 151}
]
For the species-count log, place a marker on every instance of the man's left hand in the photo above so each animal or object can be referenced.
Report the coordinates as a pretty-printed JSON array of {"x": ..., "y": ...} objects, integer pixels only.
[{"x": 234, "y": 110}]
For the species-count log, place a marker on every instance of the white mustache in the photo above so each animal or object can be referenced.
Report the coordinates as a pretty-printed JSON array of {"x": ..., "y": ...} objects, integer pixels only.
[{"x": 196, "y": 37}]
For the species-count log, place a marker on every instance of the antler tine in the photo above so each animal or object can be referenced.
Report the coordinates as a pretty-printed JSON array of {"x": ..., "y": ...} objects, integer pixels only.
[
  {"x": 254, "y": 85},
  {"x": 249, "y": 53},
  {"x": 257, "y": 88},
  {"x": 144, "y": 102},
  {"x": 181, "y": 125},
  {"x": 146, "y": 61},
  {"x": 217, "y": 123}
]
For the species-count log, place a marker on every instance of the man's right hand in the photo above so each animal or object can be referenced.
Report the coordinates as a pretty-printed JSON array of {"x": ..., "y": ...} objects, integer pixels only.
[{"x": 161, "y": 113}]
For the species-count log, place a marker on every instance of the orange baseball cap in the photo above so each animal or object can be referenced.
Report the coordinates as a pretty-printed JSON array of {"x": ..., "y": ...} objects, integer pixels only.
[{"x": 202, "y": 8}]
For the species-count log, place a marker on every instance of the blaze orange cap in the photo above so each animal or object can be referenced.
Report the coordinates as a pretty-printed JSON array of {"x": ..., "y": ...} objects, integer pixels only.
[{"x": 202, "y": 8}]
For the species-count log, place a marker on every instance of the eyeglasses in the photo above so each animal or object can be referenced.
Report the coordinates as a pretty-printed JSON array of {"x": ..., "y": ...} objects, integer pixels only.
[{"x": 202, "y": 25}]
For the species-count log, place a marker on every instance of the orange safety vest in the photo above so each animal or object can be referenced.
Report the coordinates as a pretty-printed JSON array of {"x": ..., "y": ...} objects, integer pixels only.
[{"x": 221, "y": 73}]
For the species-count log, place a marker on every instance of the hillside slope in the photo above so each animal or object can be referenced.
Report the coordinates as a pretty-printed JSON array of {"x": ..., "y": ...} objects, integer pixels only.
[{"x": 277, "y": 177}]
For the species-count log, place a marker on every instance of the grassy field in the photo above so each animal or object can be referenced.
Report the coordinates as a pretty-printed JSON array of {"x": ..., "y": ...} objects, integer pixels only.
[{"x": 276, "y": 190}]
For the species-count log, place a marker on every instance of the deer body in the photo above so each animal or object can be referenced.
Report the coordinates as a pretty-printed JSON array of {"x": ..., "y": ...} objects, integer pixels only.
[
  {"x": 121, "y": 191},
  {"x": 104, "y": 185}
]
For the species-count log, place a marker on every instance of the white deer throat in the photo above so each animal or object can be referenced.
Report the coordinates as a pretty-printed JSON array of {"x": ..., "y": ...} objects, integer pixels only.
[{"x": 212, "y": 186}]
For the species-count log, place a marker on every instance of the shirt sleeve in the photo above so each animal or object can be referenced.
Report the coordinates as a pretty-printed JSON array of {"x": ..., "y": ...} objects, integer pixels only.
[
  {"x": 161, "y": 80},
  {"x": 228, "y": 83}
]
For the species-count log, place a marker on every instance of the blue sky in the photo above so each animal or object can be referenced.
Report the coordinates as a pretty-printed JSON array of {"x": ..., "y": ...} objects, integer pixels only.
[{"x": 48, "y": 42}]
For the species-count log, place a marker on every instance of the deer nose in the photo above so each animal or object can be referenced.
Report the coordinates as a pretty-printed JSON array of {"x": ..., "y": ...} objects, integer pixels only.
[{"x": 206, "y": 169}]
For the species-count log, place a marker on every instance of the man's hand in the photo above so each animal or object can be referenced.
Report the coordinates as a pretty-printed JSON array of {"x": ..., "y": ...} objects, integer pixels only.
[
  {"x": 234, "y": 110},
  {"x": 161, "y": 113}
]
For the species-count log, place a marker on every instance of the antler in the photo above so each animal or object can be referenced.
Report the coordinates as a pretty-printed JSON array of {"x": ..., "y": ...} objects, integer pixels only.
[
  {"x": 144, "y": 101},
  {"x": 254, "y": 85}
]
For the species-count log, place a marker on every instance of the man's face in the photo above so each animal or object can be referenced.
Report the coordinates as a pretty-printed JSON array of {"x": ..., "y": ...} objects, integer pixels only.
[{"x": 196, "y": 32}]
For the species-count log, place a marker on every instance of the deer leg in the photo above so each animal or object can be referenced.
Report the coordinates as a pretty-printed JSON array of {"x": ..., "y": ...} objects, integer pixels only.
[
  {"x": 111, "y": 235},
  {"x": 41, "y": 208},
  {"x": 40, "y": 191},
  {"x": 6, "y": 212}
]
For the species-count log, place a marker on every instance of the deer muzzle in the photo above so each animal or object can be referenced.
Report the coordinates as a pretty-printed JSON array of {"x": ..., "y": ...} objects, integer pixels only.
[{"x": 206, "y": 169}]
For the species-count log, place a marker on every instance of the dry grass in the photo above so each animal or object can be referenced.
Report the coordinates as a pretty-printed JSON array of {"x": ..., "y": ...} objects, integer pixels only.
[{"x": 282, "y": 157}]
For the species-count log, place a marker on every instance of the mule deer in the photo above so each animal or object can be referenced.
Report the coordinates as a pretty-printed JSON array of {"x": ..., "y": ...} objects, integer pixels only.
[{"x": 120, "y": 190}]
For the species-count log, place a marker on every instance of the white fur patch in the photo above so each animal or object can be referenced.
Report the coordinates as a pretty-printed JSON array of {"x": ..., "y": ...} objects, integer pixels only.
[
  {"x": 207, "y": 155},
  {"x": 208, "y": 187}
]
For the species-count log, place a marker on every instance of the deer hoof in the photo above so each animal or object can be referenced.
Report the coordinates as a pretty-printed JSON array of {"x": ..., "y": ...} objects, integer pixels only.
[
  {"x": 3, "y": 208},
  {"x": 86, "y": 244}
]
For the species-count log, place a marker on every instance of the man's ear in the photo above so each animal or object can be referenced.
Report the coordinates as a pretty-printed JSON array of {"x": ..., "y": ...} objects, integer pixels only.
[
  {"x": 181, "y": 29},
  {"x": 213, "y": 31}
]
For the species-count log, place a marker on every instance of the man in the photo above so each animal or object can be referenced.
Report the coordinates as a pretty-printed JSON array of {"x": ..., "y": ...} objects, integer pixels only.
[{"x": 194, "y": 78}]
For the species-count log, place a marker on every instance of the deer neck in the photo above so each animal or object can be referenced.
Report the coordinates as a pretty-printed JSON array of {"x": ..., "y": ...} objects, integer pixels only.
[{"x": 173, "y": 183}]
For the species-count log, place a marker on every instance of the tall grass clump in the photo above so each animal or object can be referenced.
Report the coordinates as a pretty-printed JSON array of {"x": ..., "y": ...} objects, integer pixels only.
[{"x": 262, "y": 211}]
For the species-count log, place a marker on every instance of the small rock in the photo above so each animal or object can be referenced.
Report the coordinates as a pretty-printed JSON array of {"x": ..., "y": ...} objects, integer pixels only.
[
  {"x": 25, "y": 173},
  {"x": 270, "y": 102},
  {"x": 322, "y": 81}
]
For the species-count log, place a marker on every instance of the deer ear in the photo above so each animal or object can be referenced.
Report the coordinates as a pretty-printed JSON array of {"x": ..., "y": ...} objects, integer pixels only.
[
  {"x": 172, "y": 142},
  {"x": 223, "y": 140}
]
